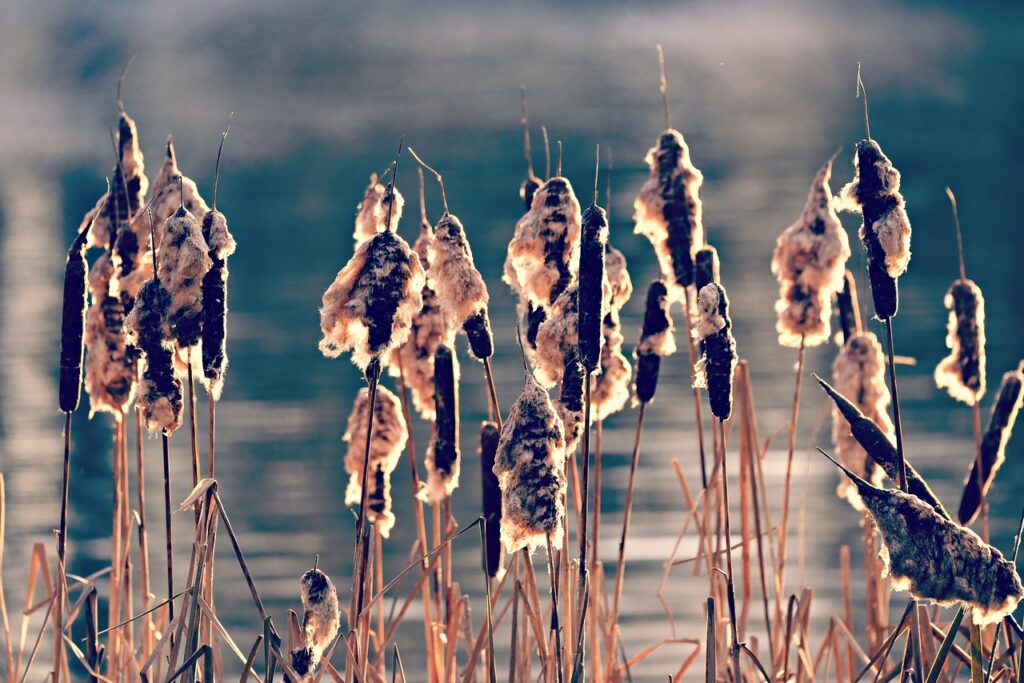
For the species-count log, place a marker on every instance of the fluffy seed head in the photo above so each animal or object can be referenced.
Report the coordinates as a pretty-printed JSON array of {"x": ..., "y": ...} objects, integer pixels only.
[
  {"x": 111, "y": 365},
  {"x": 717, "y": 364},
  {"x": 372, "y": 212},
  {"x": 389, "y": 436},
  {"x": 962, "y": 372},
  {"x": 184, "y": 260}
]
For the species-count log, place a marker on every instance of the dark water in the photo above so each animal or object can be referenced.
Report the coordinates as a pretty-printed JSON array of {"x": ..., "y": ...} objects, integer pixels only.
[{"x": 321, "y": 93}]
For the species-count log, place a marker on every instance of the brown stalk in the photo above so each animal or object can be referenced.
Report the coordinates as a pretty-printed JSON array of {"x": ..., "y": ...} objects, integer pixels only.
[
  {"x": 780, "y": 577},
  {"x": 696, "y": 392}
]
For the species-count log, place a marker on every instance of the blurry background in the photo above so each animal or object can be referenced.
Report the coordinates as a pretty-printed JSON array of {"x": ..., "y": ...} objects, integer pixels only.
[{"x": 321, "y": 93}]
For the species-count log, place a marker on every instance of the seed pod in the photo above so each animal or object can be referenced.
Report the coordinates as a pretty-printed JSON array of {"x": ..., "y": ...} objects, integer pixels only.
[
  {"x": 72, "y": 328},
  {"x": 111, "y": 365},
  {"x": 215, "y": 305},
  {"x": 460, "y": 288},
  {"x": 706, "y": 267},
  {"x": 372, "y": 212},
  {"x": 962, "y": 372},
  {"x": 938, "y": 560},
  {"x": 304, "y": 660},
  {"x": 321, "y": 616},
  {"x": 885, "y": 232},
  {"x": 389, "y": 436},
  {"x": 443, "y": 454},
  {"x": 880, "y": 447},
  {"x": 594, "y": 287},
  {"x": 543, "y": 256},
  {"x": 859, "y": 371},
  {"x": 126, "y": 191},
  {"x": 657, "y": 339},
  {"x": 368, "y": 309},
  {"x": 184, "y": 262},
  {"x": 668, "y": 210},
  {"x": 809, "y": 263},
  {"x": 993, "y": 444},
  {"x": 160, "y": 393},
  {"x": 717, "y": 365},
  {"x": 570, "y": 401},
  {"x": 530, "y": 466},
  {"x": 491, "y": 494},
  {"x": 557, "y": 338},
  {"x": 611, "y": 387}
]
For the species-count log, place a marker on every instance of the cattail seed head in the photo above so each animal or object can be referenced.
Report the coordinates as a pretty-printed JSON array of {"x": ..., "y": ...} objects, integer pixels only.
[
  {"x": 993, "y": 444},
  {"x": 184, "y": 261},
  {"x": 668, "y": 210},
  {"x": 859, "y": 371},
  {"x": 611, "y": 386},
  {"x": 717, "y": 365},
  {"x": 570, "y": 403},
  {"x": 215, "y": 308},
  {"x": 657, "y": 339},
  {"x": 368, "y": 309},
  {"x": 111, "y": 365},
  {"x": 372, "y": 212},
  {"x": 543, "y": 256},
  {"x": 962, "y": 372},
  {"x": 557, "y": 338},
  {"x": 386, "y": 443},
  {"x": 809, "y": 263},
  {"x": 160, "y": 393},
  {"x": 304, "y": 660},
  {"x": 706, "y": 267},
  {"x": 321, "y": 616},
  {"x": 594, "y": 287},
  {"x": 491, "y": 494},
  {"x": 443, "y": 454},
  {"x": 530, "y": 466},
  {"x": 460, "y": 288},
  {"x": 938, "y": 560},
  {"x": 617, "y": 271},
  {"x": 885, "y": 233},
  {"x": 72, "y": 328},
  {"x": 127, "y": 189}
]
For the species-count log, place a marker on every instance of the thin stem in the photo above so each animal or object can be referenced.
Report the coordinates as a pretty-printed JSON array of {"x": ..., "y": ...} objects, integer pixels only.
[
  {"x": 58, "y": 605},
  {"x": 584, "y": 593},
  {"x": 193, "y": 429},
  {"x": 220, "y": 151},
  {"x": 794, "y": 417},
  {"x": 547, "y": 152},
  {"x": 492, "y": 392},
  {"x": 959, "y": 234},
  {"x": 423, "y": 198},
  {"x": 492, "y": 672},
  {"x": 62, "y": 533},
  {"x": 902, "y": 465},
  {"x": 555, "y": 627},
  {"x": 391, "y": 185},
  {"x": 120, "y": 84},
  {"x": 734, "y": 648},
  {"x": 627, "y": 515},
  {"x": 861, "y": 91},
  {"x": 373, "y": 377},
  {"x": 167, "y": 526},
  {"x": 597, "y": 169},
  {"x": 524, "y": 119},
  {"x": 663, "y": 86},
  {"x": 440, "y": 180}
]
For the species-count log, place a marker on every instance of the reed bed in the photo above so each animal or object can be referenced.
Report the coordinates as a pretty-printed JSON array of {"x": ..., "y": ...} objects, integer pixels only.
[{"x": 151, "y": 313}]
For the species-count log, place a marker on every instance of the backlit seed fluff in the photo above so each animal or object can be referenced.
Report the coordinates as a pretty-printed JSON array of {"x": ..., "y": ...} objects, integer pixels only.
[
  {"x": 717, "y": 364},
  {"x": 621, "y": 284},
  {"x": 184, "y": 261},
  {"x": 321, "y": 617},
  {"x": 668, "y": 210},
  {"x": 557, "y": 337},
  {"x": 859, "y": 372},
  {"x": 389, "y": 436},
  {"x": 809, "y": 262},
  {"x": 215, "y": 306},
  {"x": 962, "y": 372},
  {"x": 368, "y": 309},
  {"x": 611, "y": 386},
  {"x": 530, "y": 466},
  {"x": 170, "y": 190},
  {"x": 657, "y": 339},
  {"x": 111, "y": 365},
  {"x": 543, "y": 256},
  {"x": 460, "y": 288},
  {"x": 72, "y": 327},
  {"x": 938, "y": 560},
  {"x": 126, "y": 189},
  {"x": 159, "y": 394},
  {"x": 372, "y": 212},
  {"x": 570, "y": 402}
]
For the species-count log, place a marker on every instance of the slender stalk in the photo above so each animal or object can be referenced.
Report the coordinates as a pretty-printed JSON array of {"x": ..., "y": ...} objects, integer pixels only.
[
  {"x": 780, "y": 578},
  {"x": 62, "y": 535},
  {"x": 362, "y": 534},
  {"x": 584, "y": 593},
  {"x": 982, "y": 503},
  {"x": 734, "y": 648},
  {"x": 492, "y": 392},
  {"x": 167, "y": 527},
  {"x": 620, "y": 569},
  {"x": 696, "y": 392},
  {"x": 902, "y": 465},
  {"x": 595, "y": 555},
  {"x": 555, "y": 627},
  {"x": 193, "y": 430}
]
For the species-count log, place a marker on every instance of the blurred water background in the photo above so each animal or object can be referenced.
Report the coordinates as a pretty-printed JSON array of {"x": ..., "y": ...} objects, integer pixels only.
[{"x": 322, "y": 91}]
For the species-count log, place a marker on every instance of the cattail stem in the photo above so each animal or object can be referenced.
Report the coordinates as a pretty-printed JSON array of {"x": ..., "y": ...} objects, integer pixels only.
[
  {"x": 902, "y": 464},
  {"x": 193, "y": 431},
  {"x": 555, "y": 627},
  {"x": 362, "y": 536},
  {"x": 696, "y": 392},
  {"x": 982, "y": 505},
  {"x": 167, "y": 527},
  {"x": 627, "y": 515},
  {"x": 595, "y": 554},
  {"x": 144, "y": 586},
  {"x": 734, "y": 648},
  {"x": 784, "y": 525},
  {"x": 492, "y": 392},
  {"x": 585, "y": 488},
  {"x": 58, "y": 613}
]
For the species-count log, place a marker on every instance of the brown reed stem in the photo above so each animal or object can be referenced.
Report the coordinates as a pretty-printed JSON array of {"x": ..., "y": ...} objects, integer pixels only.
[
  {"x": 696, "y": 392},
  {"x": 362, "y": 536},
  {"x": 734, "y": 648},
  {"x": 982, "y": 504},
  {"x": 555, "y": 627},
  {"x": 167, "y": 527},
  {"x": 595, "y": 555},
  {"x": 193, "y": 430},
  {"x": 584, "y": 592},
  {"x": 492, "y": 392},
  {"x": 491, "y": 670},
  {"x": 902, "y": 465},
  {"x": 62, "y": 534},
  {"x": 780, "y": 578},
  {"x": 627, "y": 515}
]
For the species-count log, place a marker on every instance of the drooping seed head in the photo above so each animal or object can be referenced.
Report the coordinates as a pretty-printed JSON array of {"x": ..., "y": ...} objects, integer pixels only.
[{"x": 962, "y": 372}]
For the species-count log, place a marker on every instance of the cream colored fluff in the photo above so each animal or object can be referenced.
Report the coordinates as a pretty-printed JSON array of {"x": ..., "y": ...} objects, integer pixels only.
[
  {"x": 372, "y": 212},
  {"x": 110, "y": 366},
  {"x": 183, "y": 261},
  {"x": 389, "y": 436},
  {"x": 460, "y": 288}
]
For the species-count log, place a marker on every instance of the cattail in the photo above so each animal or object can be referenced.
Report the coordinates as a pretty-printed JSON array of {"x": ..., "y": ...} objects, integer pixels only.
[
  {"x": 321, "y": 616},
  {"x": 880, "y": 448},
  {"x": 111, "y": 366},
  {"x": 372, "y": 212},
  {"x": 706, "y": 267},
  {"x": 426, "y": 333},
  {"x": 128, "y": 186},
  {"x": 72, "y": 328},
  {"x": 531, "y": 183},
  {"x": 460, "y": 288},
  {"x": 717, "y": 364},
  {"x": 184, "y": 262},
  {"x": 668, "y": 210},
  {"x": 491, "y": 494},
  {"x": 570, "y": 403},
  {"x": 657, "y": 339},
  {"x": 885, "y": 232},
  {"x": 809, "y": 262},
  {"x": 368, "y": 309},
  {"x": 594, "y": 286},
  {"x": 389, "y": 436},
  {"x": 304, "y": 660},
  {"x": 530, "y": 466},
  {"x": 160, "y": 392},
  {"x": 849, "y": 307},
  {"x": 617, "y": 271},
  {"x": 938, "y": 560},
  {"x": 543, "y": 256},
  {"x": 443, "y": 454},
  {"x": 962, "y": 372},
  {"x": 993, "y": 444},
  {"x": 214, "y": 301},
  {"x": 859, "y": 371},
  {"x": 378, "y": 501},
  {"x": 611, "y": 386},
  {"x": 557, "y": 338}
]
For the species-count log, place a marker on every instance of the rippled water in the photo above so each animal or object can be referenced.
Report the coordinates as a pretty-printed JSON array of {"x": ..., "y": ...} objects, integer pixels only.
[{"x": 321, "y": 93}]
